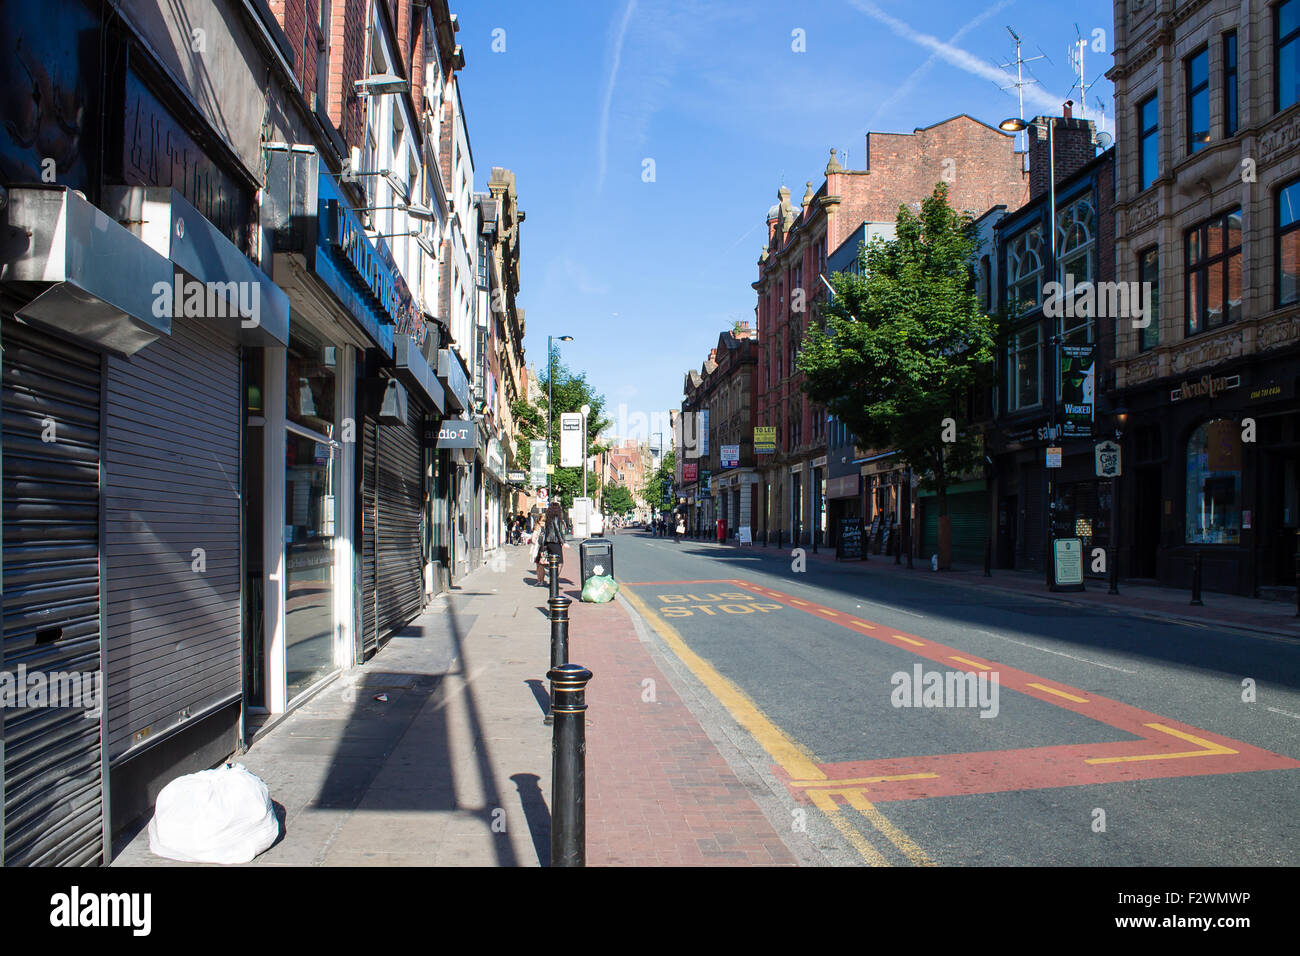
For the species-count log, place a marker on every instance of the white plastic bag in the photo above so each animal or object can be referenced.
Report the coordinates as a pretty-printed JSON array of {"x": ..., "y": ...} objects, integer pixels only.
[{"x": 214, "y": 816}]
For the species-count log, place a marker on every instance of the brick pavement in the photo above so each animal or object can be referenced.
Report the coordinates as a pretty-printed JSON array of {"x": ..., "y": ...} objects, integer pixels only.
[{"x": 658, "y": 791}]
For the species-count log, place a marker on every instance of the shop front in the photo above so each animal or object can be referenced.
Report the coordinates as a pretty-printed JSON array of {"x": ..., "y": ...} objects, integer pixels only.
[{"x": 1215, "y": 460}]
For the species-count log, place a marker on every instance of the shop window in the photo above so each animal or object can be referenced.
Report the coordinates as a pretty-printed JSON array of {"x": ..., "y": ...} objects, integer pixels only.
[
  {"x": 1214, "y": 273},
  {"x": 1214, "y": 484},
  {"x": 1024, "y": 271},
  {"x": 1288, "y": 244},
  {"x": 310, "y": 382}
]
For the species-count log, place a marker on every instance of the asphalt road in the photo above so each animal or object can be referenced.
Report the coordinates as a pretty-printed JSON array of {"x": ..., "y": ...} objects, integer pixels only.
[{"x": 931, "y": 723}]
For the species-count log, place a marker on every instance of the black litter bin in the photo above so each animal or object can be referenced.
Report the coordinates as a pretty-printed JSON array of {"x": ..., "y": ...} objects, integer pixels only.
[{"x": 597, "y": 558}]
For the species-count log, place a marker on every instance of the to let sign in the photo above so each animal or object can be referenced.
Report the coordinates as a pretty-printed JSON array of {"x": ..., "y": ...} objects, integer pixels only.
[{"x": 1054, "y": 457}]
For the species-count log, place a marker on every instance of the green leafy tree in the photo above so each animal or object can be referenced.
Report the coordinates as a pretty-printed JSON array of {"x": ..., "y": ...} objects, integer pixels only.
[
  {"x": 653, "y": 489},
  {"x": 570, "y": 393},
  {"x": 617, "y": 500},
  {"x": 904, "y": 342}
]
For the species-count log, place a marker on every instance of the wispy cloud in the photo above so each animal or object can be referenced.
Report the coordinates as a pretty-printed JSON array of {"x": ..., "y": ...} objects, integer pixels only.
[
  {"x": 962, "y": 59},
  {"x": 908, "y": 85},
  {"x": 607, "y": 97}
]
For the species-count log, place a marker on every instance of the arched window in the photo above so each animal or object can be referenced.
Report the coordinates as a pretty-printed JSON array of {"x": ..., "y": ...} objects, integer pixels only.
[
  {"x": 1025, "y": 271},
  {"x": 1076, "y": 257},
  {"x": 1213, "y": 514}
]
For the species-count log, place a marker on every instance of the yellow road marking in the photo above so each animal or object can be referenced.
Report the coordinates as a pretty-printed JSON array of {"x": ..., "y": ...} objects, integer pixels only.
[
  {"x": 869, "y": 627},
  {"x": 797, "y": 762},
  {"x": 1211, "y": 749},
  {"x": 828, "y": 611},
  {"x": 976, "y": 664},
  {"x": 792, "y": 758},
  {"x": 1060, "y": 693},
  {"x": 908, "y": 640},
  {"x": 858, "y": 801},
  {"x": 797, "y": 601},
  {"x": 827, "y": 805},
  {"x": 858, "y": 781}
]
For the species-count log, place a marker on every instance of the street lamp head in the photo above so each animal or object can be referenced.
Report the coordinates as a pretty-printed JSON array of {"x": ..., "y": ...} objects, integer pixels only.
[
  {"x": 1013, "y": 125},
  {"x": 566, "y": 338},
  {"x": 586, "y": 410}
]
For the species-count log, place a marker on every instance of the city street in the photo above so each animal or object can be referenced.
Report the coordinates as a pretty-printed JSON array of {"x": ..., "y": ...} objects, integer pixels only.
[{"x": 1111, "y": 738}]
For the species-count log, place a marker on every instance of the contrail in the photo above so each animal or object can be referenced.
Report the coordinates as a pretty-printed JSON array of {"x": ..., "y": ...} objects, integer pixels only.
[
  {"x": 608, "y": 98},
  {"x": 909, "y": 84},
  {"x": 956, "y": 56}
]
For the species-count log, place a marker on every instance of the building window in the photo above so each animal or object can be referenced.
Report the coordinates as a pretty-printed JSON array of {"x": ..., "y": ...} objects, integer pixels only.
[
  {"x": 1288, "y": 244},
  {"x": 1149, "y": 272},
  {"x": 1214, "y": 484},
  {"x": 1025, "y": 271},
  {"x": 1286, "y": 53},
  {"x": 1076, "y": 232},
  {"x": 1198, "y": 100},
  {"x": 1214, "y": 273},
  {"x": 1230, "y": 84},
  {"x": 1024, "y": 369},
  {"x": 1149, "y": 140},
  {"x": 986, "y": 282}
]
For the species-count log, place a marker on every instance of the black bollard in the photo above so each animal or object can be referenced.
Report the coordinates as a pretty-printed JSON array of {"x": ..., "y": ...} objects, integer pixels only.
[
  {"x": 1114, "y": 574},
  {"x": 553, "y": 573},
  {"x": 1297, "y": 583},
  {"x": 559, "y": 611},
  {"x": 988, "y": 556},
  {"x": 569, "y": 765},
  {"x": 1196, "y": 581}
]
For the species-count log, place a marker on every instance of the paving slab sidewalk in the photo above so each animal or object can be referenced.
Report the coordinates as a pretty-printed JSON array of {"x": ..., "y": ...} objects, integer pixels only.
[{"x": 434, "y": 752}]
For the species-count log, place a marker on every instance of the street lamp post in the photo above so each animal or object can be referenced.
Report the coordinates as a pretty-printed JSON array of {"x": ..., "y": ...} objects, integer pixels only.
[
  {"x": 550, "y": 410},
  {"x": 1121, "y": 419},
  {"x": 586, "y": 410},
  {"x": 1015, "y": 125}
]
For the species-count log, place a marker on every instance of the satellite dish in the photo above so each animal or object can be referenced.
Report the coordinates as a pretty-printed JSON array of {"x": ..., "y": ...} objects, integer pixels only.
[{"x": 1104, "y": 140}]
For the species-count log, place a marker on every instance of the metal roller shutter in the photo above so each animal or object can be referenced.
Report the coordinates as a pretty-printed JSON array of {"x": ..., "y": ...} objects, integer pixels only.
[
  {"x": 400, "y": 580},
  {"x": 53, "y": 785},
  {"x": 369, "y": 520},
  {"x": 970, "y": 524},
  {"x": 171, "y": 463}
]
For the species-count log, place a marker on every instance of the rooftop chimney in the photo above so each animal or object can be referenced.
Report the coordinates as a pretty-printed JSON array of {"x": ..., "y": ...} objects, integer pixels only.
[{"x": 1074, "y": 148}]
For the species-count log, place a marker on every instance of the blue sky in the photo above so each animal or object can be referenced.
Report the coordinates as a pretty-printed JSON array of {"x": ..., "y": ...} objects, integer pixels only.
[{"x": 645, "y": 275}]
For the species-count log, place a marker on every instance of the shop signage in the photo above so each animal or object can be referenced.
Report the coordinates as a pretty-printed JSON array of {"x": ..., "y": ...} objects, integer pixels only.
[
  {"x": 1108, "y": 460},
  {"x": 745, "y": 535},
  {"x": 1078, "y": 366},
  {"x": 1067, "y": 564},
  {"x": 1208, "y": 386},
  {"x": 453, "y": 433},
  {"x": 345, "y": 236},
  {"x": 454, "y": 378},
  {"x": 538, "y": 454},
  {"x": 1271, "y": 390},
  {"x": 1054, "y": 457},
  {"x": 690, "y": 472},
  {"x": 570, "y": 440},
  {"x": 702, "y": 438},
  {"x": 730, "y": 456},
  {"x": 849, "y": 544},
  {"x": 845, "y": 486},
  {"x": 516, "y": 477},
  {"x": 765, "y": 440}
]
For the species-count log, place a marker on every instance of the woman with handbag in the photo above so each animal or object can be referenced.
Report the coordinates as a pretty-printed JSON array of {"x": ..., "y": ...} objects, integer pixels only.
[{"x": 550, "y": 540}]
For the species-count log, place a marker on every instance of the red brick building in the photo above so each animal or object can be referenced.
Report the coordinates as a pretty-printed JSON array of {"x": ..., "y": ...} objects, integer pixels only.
[{"x": 982, "y": 170}]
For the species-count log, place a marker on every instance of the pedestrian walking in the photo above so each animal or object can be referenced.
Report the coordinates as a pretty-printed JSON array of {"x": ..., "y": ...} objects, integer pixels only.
[
  {"x": 550, "y": 539},
  {"x": 680, "y": 529}
]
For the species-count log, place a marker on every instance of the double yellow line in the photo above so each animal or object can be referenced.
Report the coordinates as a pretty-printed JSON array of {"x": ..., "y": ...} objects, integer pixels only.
[{"x": 795, "y": 760}]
